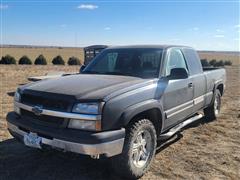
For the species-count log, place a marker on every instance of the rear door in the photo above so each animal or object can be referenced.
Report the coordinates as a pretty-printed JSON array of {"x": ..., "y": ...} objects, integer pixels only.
[
  {"x": 178, "y": 95},
  {"x": 197, "y": 77}
]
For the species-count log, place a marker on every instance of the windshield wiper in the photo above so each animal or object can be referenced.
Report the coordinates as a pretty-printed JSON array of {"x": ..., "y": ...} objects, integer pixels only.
[
  {"x": 115, "y": 73},
  {"x": 90, "y": 72},
  {"x": 120, "y": 73},
  {"x": 107, "y": 73}
]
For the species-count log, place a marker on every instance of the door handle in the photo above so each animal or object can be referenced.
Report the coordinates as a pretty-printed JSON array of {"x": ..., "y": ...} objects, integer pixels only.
[{"x": 190, "y": 85}]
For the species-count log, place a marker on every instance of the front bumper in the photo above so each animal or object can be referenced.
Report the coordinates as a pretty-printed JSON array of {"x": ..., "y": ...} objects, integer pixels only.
[{"x": 108, "y": 143}]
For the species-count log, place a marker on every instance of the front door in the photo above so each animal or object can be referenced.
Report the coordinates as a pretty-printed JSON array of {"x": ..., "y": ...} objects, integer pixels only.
[{"x": 178, "y": 95}]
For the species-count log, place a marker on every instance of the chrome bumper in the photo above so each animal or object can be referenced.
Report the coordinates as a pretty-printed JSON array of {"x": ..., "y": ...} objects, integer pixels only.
[{"x": 109, "y": 149}]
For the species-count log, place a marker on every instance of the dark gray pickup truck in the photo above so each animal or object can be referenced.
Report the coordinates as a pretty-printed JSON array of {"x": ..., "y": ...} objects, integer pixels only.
[{"x": 125, "y": 100}]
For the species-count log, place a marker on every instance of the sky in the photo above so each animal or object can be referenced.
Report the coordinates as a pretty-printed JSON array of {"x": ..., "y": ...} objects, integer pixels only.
[{"x": 202, "y": 24}]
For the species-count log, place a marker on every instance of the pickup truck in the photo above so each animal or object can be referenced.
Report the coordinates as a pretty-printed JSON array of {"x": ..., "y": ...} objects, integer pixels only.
[{"x": 119, "y": 105}]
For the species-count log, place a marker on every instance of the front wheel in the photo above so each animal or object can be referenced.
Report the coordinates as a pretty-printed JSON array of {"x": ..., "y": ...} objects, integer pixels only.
[
  {"x": 138, "y": 151},
  {"x": 213, "y": 111}
]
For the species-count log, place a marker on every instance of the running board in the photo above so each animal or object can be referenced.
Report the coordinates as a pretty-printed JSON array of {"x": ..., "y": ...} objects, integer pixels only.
[{"x": 178, "y": 127}]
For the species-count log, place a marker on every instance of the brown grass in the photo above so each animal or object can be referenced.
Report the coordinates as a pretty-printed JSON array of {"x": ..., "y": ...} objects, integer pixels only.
[{"x": 205, "y": 150}]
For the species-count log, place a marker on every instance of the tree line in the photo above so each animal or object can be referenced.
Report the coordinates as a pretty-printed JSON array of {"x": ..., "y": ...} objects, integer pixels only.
[
  {"x": 58, "y": 60},
  {"x": 215, "y": 63},
  {"x": 40, "y": 60}
]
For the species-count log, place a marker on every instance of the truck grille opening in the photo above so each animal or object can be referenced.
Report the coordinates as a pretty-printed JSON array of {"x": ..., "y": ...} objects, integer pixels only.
[
  {"x": 47, "y": 103},
  {"x": 42, "y": 119}
]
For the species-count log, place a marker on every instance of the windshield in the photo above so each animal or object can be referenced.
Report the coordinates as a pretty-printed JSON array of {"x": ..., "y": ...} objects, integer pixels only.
[{"x": 144, "y": 63}]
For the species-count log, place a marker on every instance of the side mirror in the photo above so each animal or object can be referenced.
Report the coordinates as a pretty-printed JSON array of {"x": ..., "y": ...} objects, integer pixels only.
[
  {"x": 178, "y": 73},
  {"x": 82, "y": 68}
]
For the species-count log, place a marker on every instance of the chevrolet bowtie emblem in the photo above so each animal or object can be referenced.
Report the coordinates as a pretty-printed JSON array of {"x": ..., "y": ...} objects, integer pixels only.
[{"x": 37, "y": 110}]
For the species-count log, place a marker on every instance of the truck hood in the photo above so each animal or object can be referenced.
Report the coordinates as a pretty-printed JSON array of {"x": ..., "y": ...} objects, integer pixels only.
[{"x": 89, "y": 86}]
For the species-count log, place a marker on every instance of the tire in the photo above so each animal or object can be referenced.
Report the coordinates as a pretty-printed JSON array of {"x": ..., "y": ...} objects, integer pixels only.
[
  {"x": 213, "y": 111},
  {"x": 138, "y": 151}
]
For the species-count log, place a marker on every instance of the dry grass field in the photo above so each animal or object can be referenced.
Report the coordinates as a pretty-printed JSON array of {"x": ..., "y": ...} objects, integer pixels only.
[
  {"x": 204, "y": 150},
  {"x": 50, "y": 53}
]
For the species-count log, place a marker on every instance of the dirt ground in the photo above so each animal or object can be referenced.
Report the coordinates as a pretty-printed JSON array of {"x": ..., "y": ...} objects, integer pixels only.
[{"x": 205, "y": 150}]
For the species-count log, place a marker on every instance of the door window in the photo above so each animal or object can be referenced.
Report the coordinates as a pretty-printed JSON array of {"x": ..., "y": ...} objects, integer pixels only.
[{"x": 175, "y": 60}]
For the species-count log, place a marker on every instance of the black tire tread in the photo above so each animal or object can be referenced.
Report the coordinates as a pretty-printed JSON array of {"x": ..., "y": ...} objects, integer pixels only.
[
  {"x": 120, "y": 163},
  {"x": 209, "y": 111}
]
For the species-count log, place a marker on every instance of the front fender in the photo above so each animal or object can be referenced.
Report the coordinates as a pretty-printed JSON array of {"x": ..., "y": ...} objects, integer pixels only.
[{"x": 136, "y": 109}]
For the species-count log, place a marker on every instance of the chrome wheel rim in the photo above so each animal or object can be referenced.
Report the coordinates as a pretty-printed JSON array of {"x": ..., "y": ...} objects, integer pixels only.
[
  {"x": 216, "y": 106},
  {"x": 141, "y": 148}
]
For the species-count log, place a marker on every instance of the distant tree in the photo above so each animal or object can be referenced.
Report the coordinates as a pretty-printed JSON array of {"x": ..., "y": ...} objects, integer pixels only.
[
  {"x": 25, "y": 60},
  {"x": 204, "y": 62},
  {"x": 219, "y": 63},
  {"x": 8, "y": 60},
  {"x": 227, "y": 63},
  {"x": 213, "y": 62},
  {"x": 40, "y": 60},
  {"x": 73, "y": 61},
  {"x": 58, "y": 60}
]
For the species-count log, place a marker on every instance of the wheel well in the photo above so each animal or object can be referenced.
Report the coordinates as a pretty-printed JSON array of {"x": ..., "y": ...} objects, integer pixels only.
[
  {"x": 154, "y": 115},
  {"x": 220, "y": 88}
]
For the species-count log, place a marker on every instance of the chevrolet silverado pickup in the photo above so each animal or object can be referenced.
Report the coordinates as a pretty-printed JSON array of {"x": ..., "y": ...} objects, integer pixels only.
[{"x": 119, "y": 105}]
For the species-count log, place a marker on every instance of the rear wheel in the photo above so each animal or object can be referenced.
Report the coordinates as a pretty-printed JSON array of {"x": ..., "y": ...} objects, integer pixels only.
[
  {"x": 213, "y": 111},
  {"x": 138, "y": 151}
]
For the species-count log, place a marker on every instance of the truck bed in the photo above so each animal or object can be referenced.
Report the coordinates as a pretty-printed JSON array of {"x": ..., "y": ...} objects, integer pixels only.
[
  {"x": 213, "y": 77},
  {"x": 210, "y": 68}
]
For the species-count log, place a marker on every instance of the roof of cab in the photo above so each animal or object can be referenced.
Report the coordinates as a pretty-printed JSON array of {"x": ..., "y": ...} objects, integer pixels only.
[
  {"x": 147, "y": 46},
  {"x": 95, "y": 47}
]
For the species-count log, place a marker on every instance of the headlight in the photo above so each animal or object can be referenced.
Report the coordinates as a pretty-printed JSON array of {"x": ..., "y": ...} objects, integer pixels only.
[
  {"x": 17, "y": 109},
  {"x": 91, "y": 108},
  {"x": 84, "y": 124},
  {"x": 17, "y": 96},
  {"x": 87, "y": 108}
]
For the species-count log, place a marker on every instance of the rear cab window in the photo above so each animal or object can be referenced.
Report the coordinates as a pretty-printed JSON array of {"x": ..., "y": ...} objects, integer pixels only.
[{"x": 193, "y": 61}]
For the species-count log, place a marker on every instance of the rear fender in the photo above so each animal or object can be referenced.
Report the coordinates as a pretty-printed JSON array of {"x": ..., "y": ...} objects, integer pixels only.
[{"x": 216, "y": 85}]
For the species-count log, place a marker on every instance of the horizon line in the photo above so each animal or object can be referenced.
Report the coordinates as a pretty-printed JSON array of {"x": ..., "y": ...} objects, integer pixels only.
[{"x": 54, "y": 46}]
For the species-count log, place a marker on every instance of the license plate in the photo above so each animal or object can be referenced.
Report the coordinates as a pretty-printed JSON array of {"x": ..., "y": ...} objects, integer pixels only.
[{"x": 32, "y": 140}]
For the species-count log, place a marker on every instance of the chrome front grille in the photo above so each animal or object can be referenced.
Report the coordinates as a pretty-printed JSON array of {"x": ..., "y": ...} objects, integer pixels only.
[{"x": 42, "y": 119}]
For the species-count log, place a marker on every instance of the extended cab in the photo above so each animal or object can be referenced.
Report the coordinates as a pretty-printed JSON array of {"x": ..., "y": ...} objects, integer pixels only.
[{"x": 119, "y": 105}]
